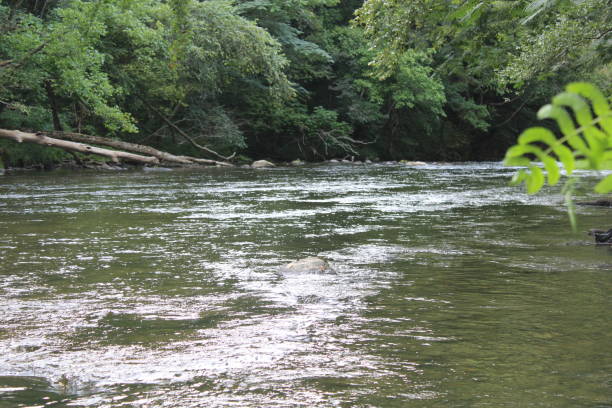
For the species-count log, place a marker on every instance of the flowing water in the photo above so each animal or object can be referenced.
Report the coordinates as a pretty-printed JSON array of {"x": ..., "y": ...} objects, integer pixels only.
[{"x": 160, "y": 289}]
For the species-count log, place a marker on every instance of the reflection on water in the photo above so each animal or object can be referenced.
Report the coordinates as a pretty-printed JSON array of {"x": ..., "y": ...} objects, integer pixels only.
[{"x": 161, "y": 290}]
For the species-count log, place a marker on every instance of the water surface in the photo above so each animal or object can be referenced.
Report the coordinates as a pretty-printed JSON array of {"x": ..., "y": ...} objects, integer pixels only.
[{"x": 140, "y": 289}]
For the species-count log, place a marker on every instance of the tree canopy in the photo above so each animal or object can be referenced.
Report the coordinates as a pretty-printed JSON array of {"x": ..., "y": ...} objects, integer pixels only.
[{"x": 310, "y": 79}]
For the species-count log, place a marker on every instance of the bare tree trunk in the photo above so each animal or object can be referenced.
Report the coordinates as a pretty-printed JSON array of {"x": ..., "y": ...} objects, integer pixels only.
[{"x": 40, "y": 139}]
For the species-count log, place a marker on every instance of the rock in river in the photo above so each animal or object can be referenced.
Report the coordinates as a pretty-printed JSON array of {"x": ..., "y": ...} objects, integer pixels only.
[
  {"x": 602, "y": 237},
  {"x": 261, "y": 164},
  {"x": 604, "y": 202},
  {"x": 306, "y": 265}
]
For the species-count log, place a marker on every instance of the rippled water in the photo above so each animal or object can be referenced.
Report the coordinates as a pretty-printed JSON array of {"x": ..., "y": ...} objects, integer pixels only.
[{"x": 451, "y": 289}]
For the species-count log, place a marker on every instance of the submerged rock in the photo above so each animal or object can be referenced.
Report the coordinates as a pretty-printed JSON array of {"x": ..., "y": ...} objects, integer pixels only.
[
  {"x": 311, "y": 264},
  {"x": 601, "y": 236},
  {"x": 604, "y": 202},
  {"x": 261, "y": 164}
]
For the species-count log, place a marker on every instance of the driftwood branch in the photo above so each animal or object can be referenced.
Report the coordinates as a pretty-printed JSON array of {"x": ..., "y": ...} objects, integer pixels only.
[{"x": 114, "y": 155}]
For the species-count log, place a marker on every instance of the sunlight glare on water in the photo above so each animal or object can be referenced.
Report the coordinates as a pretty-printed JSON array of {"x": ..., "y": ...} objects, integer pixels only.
[{"x": 449, "y": 288}]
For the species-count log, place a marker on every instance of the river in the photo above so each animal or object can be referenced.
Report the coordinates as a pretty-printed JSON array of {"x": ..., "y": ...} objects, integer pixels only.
[{"x": 160, "y": 289}]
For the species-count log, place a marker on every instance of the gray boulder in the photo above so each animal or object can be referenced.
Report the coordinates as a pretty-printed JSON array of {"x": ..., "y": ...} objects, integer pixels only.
[
  {"x": 311, "y": 265},
  {"x": 262, "y": 164}
]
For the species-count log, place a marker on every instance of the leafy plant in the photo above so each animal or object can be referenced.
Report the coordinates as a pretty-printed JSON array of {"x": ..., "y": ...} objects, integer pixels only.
[{"x": 586, "y": 141}]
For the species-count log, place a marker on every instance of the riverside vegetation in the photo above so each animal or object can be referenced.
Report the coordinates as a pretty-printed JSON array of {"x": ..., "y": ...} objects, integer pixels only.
[{"x": 308, "y": 79}]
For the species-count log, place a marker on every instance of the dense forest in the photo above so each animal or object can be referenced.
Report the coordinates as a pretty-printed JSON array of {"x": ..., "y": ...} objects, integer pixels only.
[{"x": 446, "y": 80}]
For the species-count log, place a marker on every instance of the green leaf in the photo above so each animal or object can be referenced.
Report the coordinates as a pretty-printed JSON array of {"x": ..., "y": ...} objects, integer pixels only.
[
  {"x": 517, "y": 161},
  {"x": 604, "y": 186},
  {"x": 568, "y": 191},
  {"x": 580, "y": 107},
  {"x": 591, "y": 92},
  {"x": 597, "y": 99},
  {"x": 517, "y": 151},
  {"x": 552, "y": 170},
  {"x": 535, "y": 180},
  {"x": 537, "y": 134},
  {"x": 582, "y": 112},
  {"x": 518, "y": 177},
  {"x": 566, "y": 157},
  {"x": 566, "y": 125},
  {"x": 591, "y": 142}
]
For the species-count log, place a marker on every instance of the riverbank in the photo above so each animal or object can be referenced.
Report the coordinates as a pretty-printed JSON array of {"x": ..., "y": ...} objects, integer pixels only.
[{"x": 73, "y": 165}]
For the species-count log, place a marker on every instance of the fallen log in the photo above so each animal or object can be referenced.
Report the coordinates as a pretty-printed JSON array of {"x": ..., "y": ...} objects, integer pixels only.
[
  {"x": 115, "y": 155},
  {"x": 118, "y": 144},
  {"x": 207, "y": 161},
  {"x": 133, "y": 147}
]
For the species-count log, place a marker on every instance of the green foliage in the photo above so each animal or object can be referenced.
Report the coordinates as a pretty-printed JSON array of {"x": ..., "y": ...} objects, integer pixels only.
[
  {"x": 416, "y": 85},
  {"x": 34, "y": 118},
  {"x": 214, "y": 126},
  {"x": 226, "y": 46},
  {"x": 108, "y": 66},
  {"x": 294, "y": 131},
  {"x": 458, "y": 100},
  {"x": 291, "y": 22},
  {"x": 586, "y": 140},
  {"x": 26, "y": 155},
  {"x": 497, "y": 60},
  {"x": 573, "y": 39},
  {"x": 426, "y": 79}
]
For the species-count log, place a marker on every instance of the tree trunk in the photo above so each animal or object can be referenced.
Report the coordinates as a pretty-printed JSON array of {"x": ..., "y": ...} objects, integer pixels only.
[
  {"x": 40, "y": 139},
  {"x": 57, "y": 125}
]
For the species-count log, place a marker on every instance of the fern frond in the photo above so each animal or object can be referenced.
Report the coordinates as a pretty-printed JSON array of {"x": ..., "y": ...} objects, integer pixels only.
[{"x": 584, "y": 118}]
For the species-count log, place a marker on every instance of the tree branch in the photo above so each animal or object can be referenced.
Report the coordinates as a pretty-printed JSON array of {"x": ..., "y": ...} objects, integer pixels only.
[
  {"x": 183, "y": 134},
  {"x": 16, "y": 64}
]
